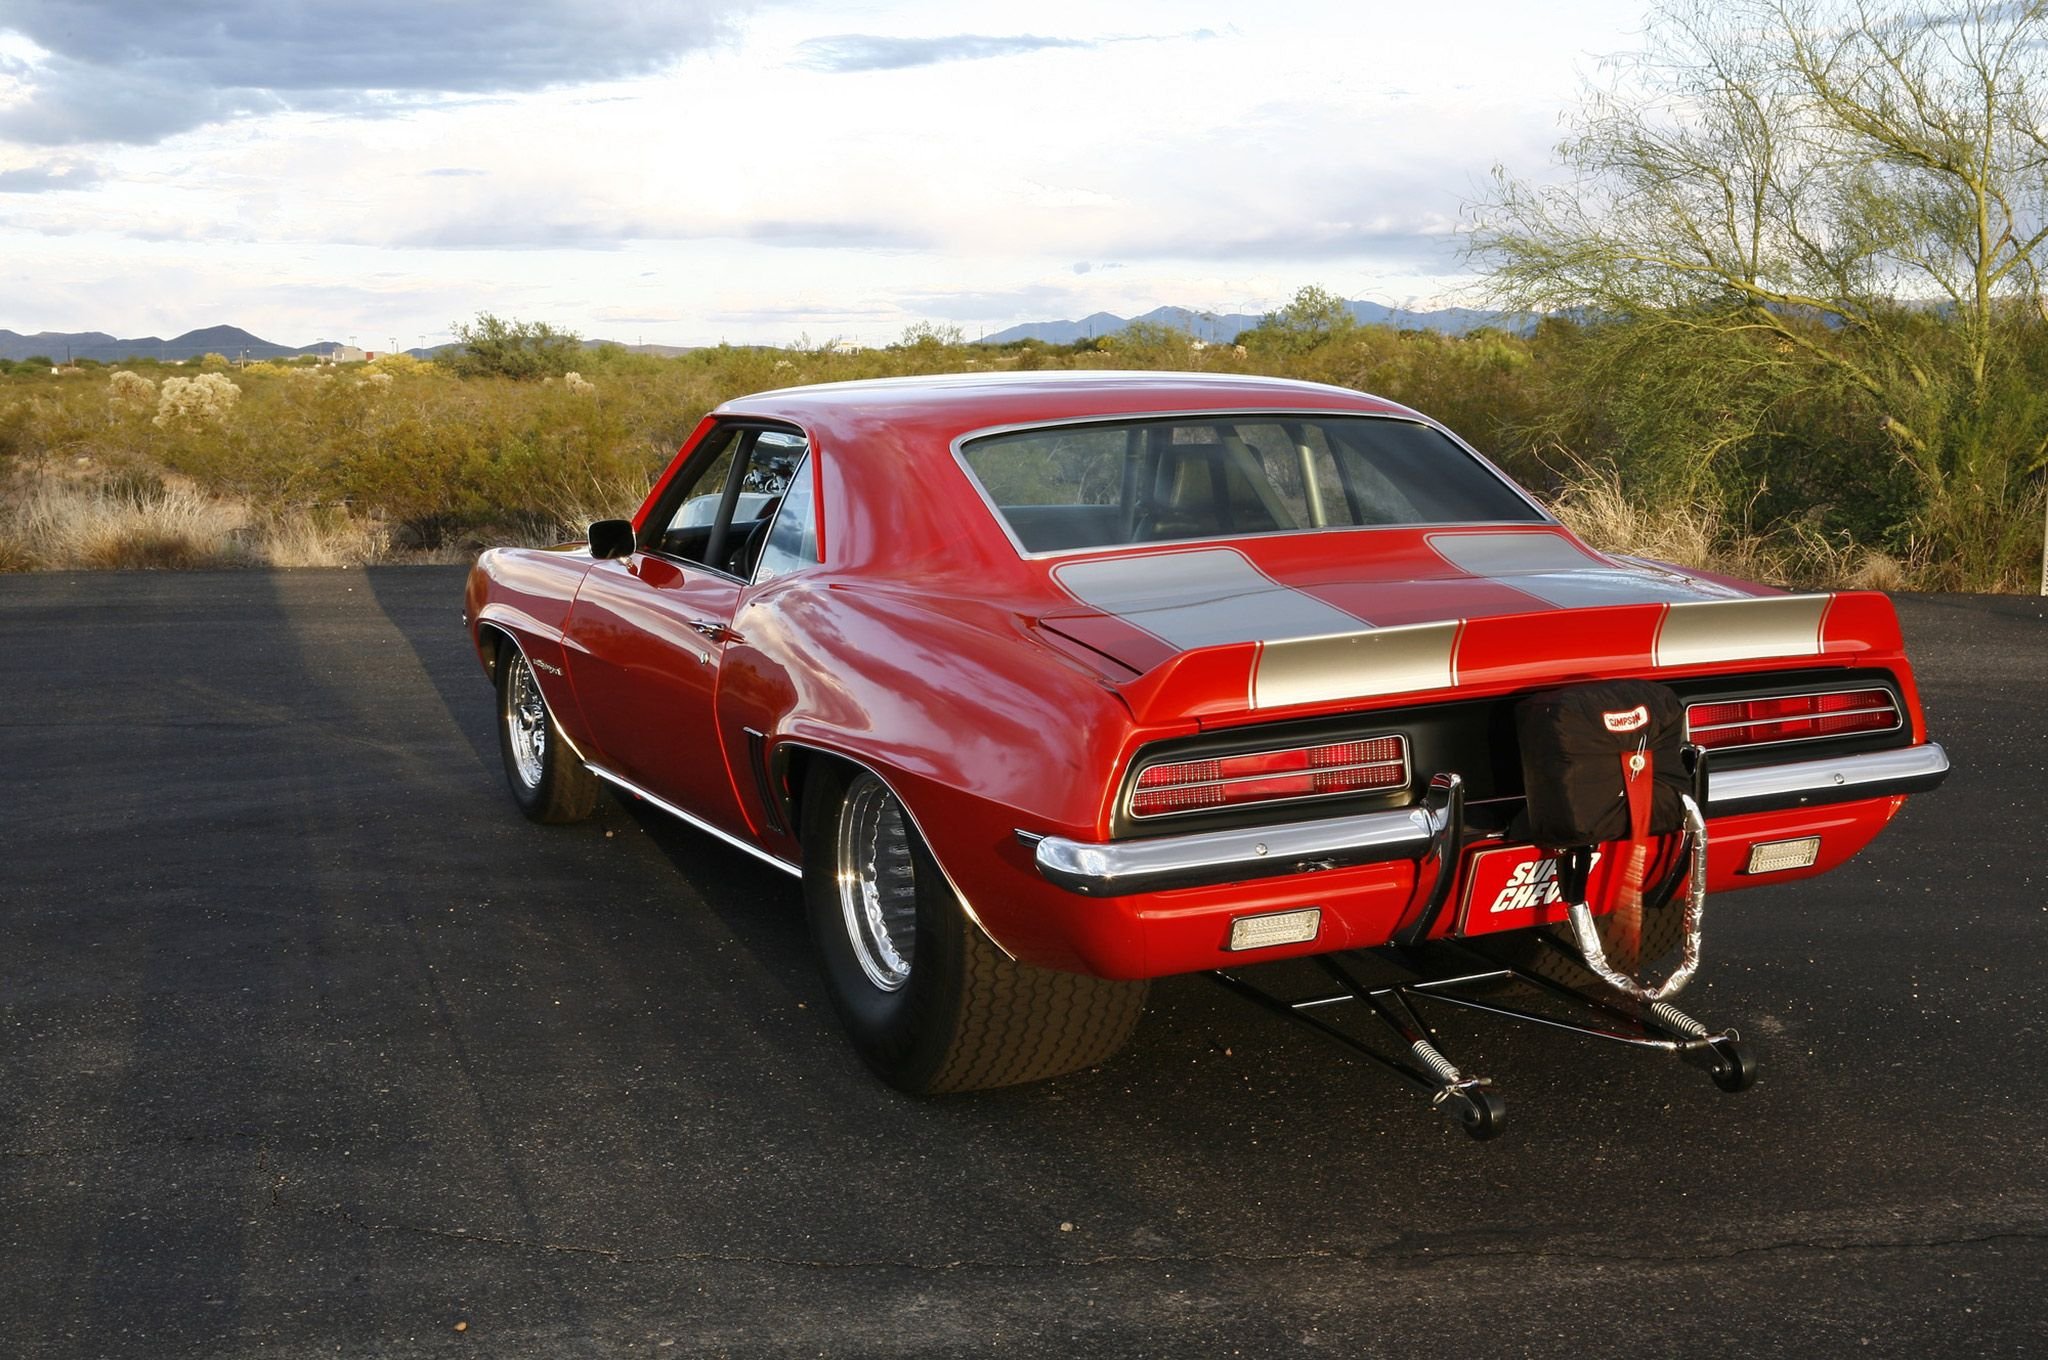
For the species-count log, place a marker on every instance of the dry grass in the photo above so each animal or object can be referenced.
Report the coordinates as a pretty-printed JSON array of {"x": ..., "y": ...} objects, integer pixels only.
[
  {"x": 573, "y": 508},
  {"x": 317, "y": 538},
  {"x": 1596, "y": 507},
  {"x": 73, "y": 521}
]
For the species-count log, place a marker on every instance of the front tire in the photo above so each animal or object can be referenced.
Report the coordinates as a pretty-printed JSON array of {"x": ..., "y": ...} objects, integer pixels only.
[
  {"x": 929, "y": 1001},
  {"x": 548, "y": 782}
]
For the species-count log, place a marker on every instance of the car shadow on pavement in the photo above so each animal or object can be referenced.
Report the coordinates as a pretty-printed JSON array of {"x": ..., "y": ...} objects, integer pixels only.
[{"x": 424, "y": 606}]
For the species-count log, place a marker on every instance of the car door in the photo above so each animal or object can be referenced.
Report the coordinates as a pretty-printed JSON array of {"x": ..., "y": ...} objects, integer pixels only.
[{"x": 648, "y": 633}]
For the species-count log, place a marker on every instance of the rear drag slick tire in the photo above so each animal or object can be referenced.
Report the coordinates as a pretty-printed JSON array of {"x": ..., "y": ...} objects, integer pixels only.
[{"x": 929, "y": 1001}]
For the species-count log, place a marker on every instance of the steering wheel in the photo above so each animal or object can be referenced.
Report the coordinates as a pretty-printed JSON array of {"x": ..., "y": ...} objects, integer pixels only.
[{"x": 741, "y": 561}]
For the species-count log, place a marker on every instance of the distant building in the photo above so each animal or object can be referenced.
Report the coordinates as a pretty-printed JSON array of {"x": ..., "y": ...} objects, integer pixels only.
[{"x": 349, "y": 354}]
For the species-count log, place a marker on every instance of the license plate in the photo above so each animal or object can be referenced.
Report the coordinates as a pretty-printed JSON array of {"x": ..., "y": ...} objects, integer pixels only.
[{"x": 1513, "y": 886}]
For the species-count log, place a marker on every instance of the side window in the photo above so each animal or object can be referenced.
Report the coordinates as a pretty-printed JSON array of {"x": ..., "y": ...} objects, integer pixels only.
[
  {"x": 719, "y": 518},
  {"x": 793, "y": 543},
  {"x": 700, "y": 497}
]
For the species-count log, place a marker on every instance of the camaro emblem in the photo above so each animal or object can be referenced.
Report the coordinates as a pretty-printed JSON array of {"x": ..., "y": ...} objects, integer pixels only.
[
  {"x": 557, "y": 670},
  {"x": 1628, "y": 720}
]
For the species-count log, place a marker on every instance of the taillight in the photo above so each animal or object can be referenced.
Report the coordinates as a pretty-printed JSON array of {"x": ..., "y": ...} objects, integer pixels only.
[
  {"x": 1373, "y": 765},
  {"x": 1791, "y": 717}
]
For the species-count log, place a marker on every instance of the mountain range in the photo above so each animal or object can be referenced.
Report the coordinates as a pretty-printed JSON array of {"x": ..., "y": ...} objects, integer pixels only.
[
  {"x": 231, "y": 341},
  {"x": 1222, "y": 327},
  {"x": 1214, "y": 327}
]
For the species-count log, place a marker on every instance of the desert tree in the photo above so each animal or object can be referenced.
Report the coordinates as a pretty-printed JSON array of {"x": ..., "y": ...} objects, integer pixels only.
[
  {"x": 1776, "y": 197},
  {"x": 1312, "y": 317},
  {"x": 928, "y": 335}
]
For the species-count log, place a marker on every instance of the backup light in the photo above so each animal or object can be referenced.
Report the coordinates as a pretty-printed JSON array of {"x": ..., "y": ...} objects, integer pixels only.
[
  {"x": 1373, "y": 765},
  {"x": 1790, "y": 717},
  {"x": 1770, "y": 857},
  {"x": 1280, "y": 927}
]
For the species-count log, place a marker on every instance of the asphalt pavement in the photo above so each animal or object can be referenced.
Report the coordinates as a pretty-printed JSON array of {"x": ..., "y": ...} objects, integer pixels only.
[{"x": 311, "y": 1045}]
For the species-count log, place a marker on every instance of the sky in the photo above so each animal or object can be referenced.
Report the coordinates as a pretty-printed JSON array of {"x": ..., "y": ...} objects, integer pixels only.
[{"x": 688, "y": 172}]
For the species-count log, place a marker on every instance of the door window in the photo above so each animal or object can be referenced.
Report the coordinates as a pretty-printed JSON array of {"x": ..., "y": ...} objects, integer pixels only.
[{"x": 718, "y": 513}]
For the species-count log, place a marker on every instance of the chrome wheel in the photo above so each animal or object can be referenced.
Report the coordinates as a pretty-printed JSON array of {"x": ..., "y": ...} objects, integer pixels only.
[
  {"x": 526, "y": 722},
  {"x": 877, "y": 883}
]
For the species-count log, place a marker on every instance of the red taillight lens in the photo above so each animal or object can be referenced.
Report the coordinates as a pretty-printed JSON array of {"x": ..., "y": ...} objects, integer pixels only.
[
  {"x": 1791, "y": 717},
  {"x": 1370, "y": 766}
]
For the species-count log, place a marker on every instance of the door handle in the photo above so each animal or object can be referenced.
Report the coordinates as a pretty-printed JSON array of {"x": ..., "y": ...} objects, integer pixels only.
[{"x": 717, "y": 632}]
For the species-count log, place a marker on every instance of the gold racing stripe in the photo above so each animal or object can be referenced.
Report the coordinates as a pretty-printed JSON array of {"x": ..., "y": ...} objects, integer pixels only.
[
  {"x": 1710, "y": 632},
  {"x": 1355, "y": 665}
]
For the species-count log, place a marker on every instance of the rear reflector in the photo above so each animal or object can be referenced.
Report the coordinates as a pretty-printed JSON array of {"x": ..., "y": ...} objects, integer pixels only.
[
  {"x": 1373, "y": 765},
  {"x": 1282, "y": 927},
  {"x": 1791, "y": 717},
  {"x": 1772, "y": 856}
]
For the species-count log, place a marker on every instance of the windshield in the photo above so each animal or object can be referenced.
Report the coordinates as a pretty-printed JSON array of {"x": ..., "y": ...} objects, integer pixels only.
[{"x": 1065, "y": 487}]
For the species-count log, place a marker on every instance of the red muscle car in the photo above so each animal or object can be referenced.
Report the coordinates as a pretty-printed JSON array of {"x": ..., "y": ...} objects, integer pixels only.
[{"x": 1048, "y": 684}]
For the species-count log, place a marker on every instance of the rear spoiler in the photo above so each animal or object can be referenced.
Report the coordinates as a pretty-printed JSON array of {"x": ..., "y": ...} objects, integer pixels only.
[{"x": 1507, "y": 651}]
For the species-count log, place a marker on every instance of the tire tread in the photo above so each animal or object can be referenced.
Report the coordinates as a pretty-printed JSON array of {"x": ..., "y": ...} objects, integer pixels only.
[{"x": 1019, "y": 1024}]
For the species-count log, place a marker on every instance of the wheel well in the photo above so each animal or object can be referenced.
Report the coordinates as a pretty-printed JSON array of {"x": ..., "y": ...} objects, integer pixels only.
[
  {"x": 796, "y": 765},
  {"x": 491, "y": 644}
]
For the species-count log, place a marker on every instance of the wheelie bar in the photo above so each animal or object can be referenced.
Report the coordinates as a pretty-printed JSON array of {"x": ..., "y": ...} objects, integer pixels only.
[
  {"x": 1656, "y": 1025},
  {"x": 1468, "y": 1099}
]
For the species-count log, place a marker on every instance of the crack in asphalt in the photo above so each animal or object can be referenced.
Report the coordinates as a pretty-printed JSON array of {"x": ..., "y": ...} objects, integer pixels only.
[
  {"x": 132, "y": 1144},
  {"x": 153, "y": 724},
  {"x": 277, "y": 1179},
  {"x": 1118, "y": 1259}
]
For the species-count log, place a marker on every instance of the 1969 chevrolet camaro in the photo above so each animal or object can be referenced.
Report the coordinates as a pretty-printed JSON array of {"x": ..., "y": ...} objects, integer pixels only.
[{"x": 1048, "y": 684}]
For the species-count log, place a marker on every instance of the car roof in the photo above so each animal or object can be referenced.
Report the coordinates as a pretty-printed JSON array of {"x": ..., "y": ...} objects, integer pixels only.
[
  {"x": 962, "y": 402},
  {"x": 901, "y": 505}
]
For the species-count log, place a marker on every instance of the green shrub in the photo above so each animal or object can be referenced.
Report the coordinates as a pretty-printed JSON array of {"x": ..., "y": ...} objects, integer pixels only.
[
  {"x": 404, "y": 455},
  {"x": 494, "y": 347}
]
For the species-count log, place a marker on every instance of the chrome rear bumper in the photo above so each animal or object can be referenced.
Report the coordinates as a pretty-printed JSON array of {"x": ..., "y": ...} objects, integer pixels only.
[
  {"x": 1209, "y": 857},
  {"x": 1810, "y": 783}
]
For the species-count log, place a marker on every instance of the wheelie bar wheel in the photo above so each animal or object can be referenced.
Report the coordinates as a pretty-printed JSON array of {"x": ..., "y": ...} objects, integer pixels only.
[
  {"x": 1730, "y": 1064},
  {"x": 1479, "y": 1112}
]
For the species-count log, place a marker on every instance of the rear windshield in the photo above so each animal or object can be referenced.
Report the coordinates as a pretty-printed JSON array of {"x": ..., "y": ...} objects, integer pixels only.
[{"x": 1150, "y": 481}]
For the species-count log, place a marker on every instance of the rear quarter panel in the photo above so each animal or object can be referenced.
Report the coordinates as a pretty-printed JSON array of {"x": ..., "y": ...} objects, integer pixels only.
[{"x": 981, "y": 729}]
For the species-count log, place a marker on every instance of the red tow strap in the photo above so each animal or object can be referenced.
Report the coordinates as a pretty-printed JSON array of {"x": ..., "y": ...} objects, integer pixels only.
[{"x": 1638, "y": 781}]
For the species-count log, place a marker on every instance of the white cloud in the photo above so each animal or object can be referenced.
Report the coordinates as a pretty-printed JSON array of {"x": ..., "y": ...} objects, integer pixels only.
[
  {"x": 96, "y": 71},
  {"x": 729, "y": 190}
]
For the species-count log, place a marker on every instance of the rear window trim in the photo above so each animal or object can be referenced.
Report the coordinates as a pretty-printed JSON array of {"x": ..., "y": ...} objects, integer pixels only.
[{"x": 995, "y": 512}]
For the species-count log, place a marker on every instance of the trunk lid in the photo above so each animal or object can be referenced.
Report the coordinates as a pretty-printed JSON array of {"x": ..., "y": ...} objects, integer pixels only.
[{"x": 1311, "y": 621}]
